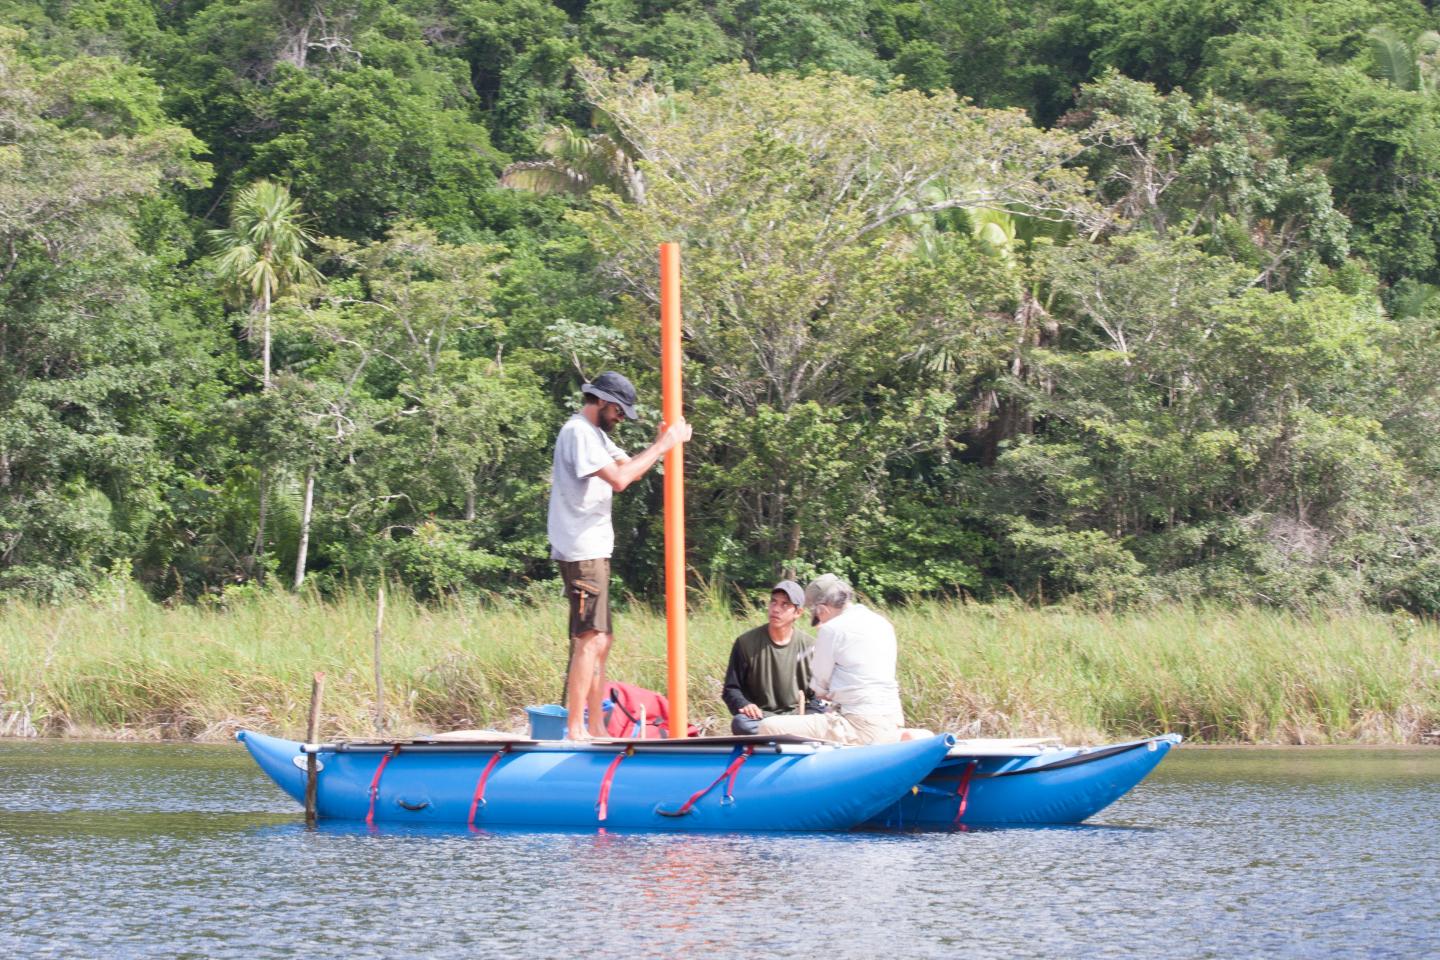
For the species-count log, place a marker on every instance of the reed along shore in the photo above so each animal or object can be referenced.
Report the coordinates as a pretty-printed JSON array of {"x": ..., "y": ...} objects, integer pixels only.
[{"x": 129, "y": 668}]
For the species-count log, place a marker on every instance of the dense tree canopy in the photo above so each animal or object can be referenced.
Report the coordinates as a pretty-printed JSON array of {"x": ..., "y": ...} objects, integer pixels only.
[{"x": 1100, "y": 299}]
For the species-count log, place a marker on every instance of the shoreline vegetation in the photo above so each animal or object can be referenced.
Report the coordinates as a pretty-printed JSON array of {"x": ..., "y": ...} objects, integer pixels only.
[
  {"x": 1008, "y": 299},
  {"x": 126, "y": 668}
]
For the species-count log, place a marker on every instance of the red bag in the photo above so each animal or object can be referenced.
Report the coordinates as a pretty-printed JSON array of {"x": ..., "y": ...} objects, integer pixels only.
[{"x": 625, "y": 717}]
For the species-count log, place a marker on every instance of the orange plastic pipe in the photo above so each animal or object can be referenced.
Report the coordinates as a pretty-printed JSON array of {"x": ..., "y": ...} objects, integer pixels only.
[{"x": 672, "y": 409}]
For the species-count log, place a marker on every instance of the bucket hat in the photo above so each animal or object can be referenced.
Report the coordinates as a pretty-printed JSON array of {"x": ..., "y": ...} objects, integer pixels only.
[{"x": 615, "y": 388}]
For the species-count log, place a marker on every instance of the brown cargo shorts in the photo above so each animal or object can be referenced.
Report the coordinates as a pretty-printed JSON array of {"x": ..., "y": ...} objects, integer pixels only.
[{"x": 587, "y": 586}]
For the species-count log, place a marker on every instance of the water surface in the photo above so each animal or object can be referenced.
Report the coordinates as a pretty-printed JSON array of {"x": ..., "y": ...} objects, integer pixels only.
[{"x": 161, "y": 850}]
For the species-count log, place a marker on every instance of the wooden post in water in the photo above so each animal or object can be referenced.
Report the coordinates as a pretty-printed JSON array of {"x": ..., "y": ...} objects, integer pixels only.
[
  {"x": 379, "y": 683},
  {"x": 312, "y": 737},
  {"x": 673, "y": 410}
]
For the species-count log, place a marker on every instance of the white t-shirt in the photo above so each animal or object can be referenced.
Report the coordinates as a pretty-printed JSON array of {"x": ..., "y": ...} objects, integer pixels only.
[
  {"x": 579, "y": 521},
  {"x": 854, "y": 663}
]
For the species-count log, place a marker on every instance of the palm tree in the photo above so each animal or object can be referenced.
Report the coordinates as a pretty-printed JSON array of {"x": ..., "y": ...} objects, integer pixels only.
[
  {"x": 262, "y": 253},
  {"x": 1008, "y": 237},
  {"x": 262, "y": 257}
]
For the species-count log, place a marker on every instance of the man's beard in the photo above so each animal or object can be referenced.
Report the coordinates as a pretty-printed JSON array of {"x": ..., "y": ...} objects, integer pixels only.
[{"x": 608, "y": 421}]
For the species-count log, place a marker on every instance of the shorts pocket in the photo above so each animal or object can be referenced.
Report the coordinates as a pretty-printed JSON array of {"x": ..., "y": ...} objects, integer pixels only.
[{"x": 584, "y": 591}]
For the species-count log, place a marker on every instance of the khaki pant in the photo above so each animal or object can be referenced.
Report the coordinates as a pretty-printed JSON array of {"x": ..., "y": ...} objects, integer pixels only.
[{"x": 852, "y": 729}]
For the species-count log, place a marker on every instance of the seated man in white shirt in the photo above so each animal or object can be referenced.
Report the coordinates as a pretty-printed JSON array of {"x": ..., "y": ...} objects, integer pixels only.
[{"x": 853, "y": 667}]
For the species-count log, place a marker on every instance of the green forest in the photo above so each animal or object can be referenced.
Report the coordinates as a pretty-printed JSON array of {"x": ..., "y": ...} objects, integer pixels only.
[{"x": 1106, "y": 301}]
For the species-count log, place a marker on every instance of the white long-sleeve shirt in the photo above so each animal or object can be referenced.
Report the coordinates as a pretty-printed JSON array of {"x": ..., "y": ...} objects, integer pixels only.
[{"x": 854, "y": 663}]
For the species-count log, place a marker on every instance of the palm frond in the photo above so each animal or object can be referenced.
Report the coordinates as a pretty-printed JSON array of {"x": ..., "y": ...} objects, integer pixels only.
[
  {"x": 1414, "y": 299},
  {"x": 262, "y": 252},
  {"x": 1394, "y": 58},
  {"x": 576, "y": 164},
  {"x": 544, "y": 177}
]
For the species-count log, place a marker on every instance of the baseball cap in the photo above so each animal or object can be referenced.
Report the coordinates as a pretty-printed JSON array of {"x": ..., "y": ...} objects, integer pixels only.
[
  {"x": 829, "y": 590},
  {"x": 792, "y": 590}
]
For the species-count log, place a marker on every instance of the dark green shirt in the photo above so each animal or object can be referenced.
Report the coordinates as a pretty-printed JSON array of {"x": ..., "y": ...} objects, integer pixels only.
[{"x": 765, "y": 674}]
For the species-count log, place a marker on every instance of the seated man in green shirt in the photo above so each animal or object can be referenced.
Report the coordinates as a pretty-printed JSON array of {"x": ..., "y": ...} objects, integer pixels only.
[{"x": 770, "y": 665}]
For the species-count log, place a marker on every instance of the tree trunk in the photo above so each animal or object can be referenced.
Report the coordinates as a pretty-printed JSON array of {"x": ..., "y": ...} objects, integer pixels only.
[
  {"x": 265, "y": 349},
  {"x": 257, "y": 549},
  {"x": 792, "y": 549},
  {"x": 305, "y": 526}
]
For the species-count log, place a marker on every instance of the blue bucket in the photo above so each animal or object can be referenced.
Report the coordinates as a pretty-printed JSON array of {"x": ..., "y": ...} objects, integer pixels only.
[{"x": 547, "y": 721}]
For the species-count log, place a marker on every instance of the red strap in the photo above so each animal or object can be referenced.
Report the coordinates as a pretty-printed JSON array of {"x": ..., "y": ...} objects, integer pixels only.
[
  {"x": 603, "y": 804},
  {"x": 735, "y": 769},
  {"x": 729, "y": 773},
  {"x": 375, "y": 784},
  {"x": 479, "y": 797},
  {"x": 963, "y": 790}
]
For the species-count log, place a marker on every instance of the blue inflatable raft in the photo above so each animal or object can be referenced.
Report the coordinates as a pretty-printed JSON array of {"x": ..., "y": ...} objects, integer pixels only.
[
  {"x": 1014, "y": 783},
  {"x": 738, "y": 784}
]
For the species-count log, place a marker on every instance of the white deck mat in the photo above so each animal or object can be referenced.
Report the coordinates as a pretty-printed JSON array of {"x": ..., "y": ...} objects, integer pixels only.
[
  {"x": 485, "y": 736},
  {"x": 1022, "y": 747}
]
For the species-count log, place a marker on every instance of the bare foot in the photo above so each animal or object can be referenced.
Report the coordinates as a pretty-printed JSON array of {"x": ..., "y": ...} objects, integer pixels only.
[{"x": 578, "y": 736}]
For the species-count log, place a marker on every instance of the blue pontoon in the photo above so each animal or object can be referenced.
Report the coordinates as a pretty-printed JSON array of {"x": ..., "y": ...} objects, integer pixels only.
[
  {"x": 1023, "y": 782},
  {"x": 739, "y": 784}
]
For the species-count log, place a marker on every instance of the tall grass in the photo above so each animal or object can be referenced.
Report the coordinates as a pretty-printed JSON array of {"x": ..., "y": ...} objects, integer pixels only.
[
  {"x": 126, "y": 667},
  {"x": 1212, "y": 673}
]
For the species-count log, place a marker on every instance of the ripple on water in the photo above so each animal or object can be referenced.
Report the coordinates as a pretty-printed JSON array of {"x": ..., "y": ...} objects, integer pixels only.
[{"x": 169, "y": 850}]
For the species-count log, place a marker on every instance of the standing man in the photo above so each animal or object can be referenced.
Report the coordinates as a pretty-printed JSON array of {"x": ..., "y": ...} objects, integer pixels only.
[
  {"x": 853, "y": 667},
  {"x": 769, "y": 671},
  {"x": 588, "y": 469}
]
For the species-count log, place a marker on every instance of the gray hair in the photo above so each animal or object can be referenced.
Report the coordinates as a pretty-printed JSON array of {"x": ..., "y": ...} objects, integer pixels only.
[{"x": 829, "y": 590}]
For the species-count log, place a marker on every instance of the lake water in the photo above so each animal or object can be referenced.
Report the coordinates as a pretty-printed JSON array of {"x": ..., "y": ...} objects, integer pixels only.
[{"x": 165, "y": 850}]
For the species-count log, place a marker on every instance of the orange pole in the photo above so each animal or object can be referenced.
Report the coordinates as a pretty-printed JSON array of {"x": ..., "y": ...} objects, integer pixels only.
[{"x": 672, "y": 410}]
